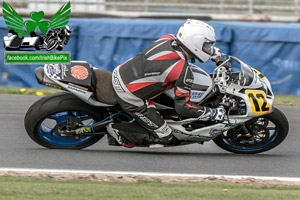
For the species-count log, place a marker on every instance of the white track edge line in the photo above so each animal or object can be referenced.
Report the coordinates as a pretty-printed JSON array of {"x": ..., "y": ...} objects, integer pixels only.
[{"x": 153, "y": 174}]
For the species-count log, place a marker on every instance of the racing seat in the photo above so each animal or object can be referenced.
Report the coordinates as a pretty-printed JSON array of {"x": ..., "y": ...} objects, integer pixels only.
[{"x": 104, "y": 90}]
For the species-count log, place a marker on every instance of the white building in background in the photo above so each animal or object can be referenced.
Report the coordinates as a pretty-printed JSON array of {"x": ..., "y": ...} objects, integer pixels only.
[{"x": 77, "y": 6}]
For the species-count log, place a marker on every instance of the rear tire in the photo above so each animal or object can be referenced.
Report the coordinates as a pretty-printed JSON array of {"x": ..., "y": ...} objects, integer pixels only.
[
  {"x": 281, "y": 130},
  {"x": 60, "y": 104}
]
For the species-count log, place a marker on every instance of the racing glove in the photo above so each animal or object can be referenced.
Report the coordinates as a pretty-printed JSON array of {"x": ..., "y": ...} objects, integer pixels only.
[
  {"x": 217, "y": 55},
  {"x": 213, "y": 114},
  {"x": 217, "y": 58}
]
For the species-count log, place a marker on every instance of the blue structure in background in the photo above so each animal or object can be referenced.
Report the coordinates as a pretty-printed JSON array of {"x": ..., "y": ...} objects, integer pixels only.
[{"x": 272, "y": 48}]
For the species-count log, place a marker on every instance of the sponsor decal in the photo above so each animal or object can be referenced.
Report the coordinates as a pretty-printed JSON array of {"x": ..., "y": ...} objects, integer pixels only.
[
  {"x": 76, "y": 89},
  {"x": 53, "y": 85},
  {"x": 83, "y": 130},
  {"x": 77, "y": 86},
  {"x": 79, "y": 72},
  {"x": 50, "y": 69},
  {"x": 116, "y": 82},
  {"x": 146, "y": 120},
  {"x": 64, "y": 69},
  {"x": 216, "y": 132},
  {"x": 196, "y": 95},
  {"x": 53, "y": 69},
  {"x": 152, "y": 74}
]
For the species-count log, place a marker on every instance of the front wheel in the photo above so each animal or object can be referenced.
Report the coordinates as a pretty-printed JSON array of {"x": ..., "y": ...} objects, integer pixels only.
[
  {"x": 266, "y": 132},
  {"x": 49, "y": 115}
]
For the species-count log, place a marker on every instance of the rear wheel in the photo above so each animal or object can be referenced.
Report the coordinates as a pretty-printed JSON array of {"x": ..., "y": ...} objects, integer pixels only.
[
  {"x": 48, "y": 116},
  {"x": 266, "y": 132}
]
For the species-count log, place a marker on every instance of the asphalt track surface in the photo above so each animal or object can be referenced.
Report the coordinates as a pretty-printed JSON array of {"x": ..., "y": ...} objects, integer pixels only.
[{"x": 17, "y": 150}]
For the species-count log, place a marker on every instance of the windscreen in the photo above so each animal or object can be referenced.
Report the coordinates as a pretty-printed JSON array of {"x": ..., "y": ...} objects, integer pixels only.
[{"x": 246, "y": 75}]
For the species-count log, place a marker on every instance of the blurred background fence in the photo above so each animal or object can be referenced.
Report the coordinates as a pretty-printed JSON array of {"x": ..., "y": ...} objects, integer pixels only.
[
  {"x": 288, "y": 10},
  {"x": 272, "y": 48}
]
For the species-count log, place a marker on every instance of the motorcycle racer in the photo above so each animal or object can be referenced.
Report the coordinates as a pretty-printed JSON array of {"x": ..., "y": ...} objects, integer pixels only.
[
  {"x": 56, "y": 37},
  {"x": 162, "y": 66}
]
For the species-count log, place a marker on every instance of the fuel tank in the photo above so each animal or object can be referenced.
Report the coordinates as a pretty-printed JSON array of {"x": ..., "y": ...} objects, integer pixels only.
[{"x": 202, "y": 84}]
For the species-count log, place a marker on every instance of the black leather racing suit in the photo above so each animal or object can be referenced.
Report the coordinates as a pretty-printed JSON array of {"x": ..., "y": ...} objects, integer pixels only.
[{"x": 163, "y": 65}]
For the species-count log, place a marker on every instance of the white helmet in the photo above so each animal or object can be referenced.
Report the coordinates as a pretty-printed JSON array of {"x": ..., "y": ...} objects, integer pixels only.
[
  {"x": 197, "y": 39},
  {"x": 68, "y": 30}
]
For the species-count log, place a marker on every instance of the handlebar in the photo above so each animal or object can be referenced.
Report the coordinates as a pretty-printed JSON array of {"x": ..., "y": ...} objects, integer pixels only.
[{"x": 231, "y": 58}]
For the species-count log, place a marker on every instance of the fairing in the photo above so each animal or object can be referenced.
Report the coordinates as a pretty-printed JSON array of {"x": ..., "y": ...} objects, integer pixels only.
[
  {"x": 254, "y": 88},
  {"x": 202, "y": 84}
]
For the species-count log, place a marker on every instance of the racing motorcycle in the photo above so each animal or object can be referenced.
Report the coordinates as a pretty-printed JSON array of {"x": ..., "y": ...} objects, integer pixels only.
[
  {"x": 77, "y": 118},
  {"x": 56, "y": 37}
]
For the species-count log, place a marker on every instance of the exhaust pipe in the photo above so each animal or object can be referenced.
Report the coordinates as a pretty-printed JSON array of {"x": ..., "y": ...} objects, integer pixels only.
[{"x": 44, "y": 80}]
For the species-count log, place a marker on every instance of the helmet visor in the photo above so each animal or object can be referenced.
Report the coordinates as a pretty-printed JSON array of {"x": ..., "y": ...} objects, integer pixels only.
[{"x": 208, "y": 47}]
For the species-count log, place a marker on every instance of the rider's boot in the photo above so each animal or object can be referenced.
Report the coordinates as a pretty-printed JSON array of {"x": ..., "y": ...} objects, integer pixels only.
[
  {"x": 132, "y": 133},
  {"x": 116, "y": 134}
]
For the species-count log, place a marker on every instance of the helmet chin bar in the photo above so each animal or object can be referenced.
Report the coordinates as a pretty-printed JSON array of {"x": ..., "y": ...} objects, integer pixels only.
[{"x": 189, "y": 52}]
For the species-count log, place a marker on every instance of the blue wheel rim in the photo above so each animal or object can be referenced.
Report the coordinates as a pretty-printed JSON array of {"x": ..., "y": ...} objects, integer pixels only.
[
  {"x": 274, "y": 133},
  {"x": 46, "y": 126}
]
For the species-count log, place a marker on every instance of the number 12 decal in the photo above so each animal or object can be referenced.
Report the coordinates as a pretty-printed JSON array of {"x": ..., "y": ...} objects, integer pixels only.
[{"x": 258, "y": 101}]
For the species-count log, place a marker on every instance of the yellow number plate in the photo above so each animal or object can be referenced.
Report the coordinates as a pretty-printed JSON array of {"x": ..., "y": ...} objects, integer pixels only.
[{"x": 258, "y": 101}]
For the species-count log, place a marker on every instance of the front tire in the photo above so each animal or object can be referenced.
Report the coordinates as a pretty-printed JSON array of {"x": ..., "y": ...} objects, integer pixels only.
[
  {"x": 45, "y": 114},
  {"x": 268, "y": 132}
]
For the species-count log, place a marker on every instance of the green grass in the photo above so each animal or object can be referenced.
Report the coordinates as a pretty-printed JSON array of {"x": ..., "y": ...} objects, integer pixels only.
[
  {"x": 279, "y": 99},
  {"x": 287, "y": 100},
  {"x": 20, "y": 188},
  {"x": 27, "y": 91}
]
